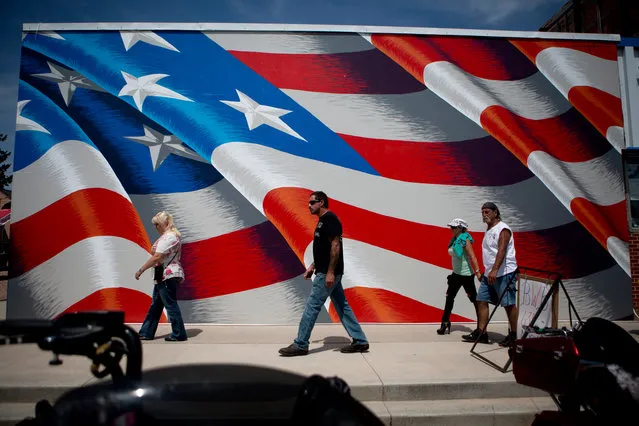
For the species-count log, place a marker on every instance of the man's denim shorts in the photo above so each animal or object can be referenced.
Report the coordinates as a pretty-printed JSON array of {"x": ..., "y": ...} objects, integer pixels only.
[{"x": 491, "y": 292}]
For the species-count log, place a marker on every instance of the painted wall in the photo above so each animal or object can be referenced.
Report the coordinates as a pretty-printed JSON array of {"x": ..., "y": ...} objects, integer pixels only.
[{"x": 230, "y": 132}]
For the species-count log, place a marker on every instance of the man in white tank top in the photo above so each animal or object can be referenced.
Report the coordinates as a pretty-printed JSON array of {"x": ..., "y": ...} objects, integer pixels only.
[{"x": 500, "y": 274}]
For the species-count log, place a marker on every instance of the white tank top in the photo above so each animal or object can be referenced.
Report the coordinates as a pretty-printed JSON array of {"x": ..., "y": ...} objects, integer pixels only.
[{"x": 489, "y": 247}]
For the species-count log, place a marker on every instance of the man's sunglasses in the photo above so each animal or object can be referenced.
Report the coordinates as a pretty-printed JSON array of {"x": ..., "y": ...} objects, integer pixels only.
[{"x": 311, "y": 202}]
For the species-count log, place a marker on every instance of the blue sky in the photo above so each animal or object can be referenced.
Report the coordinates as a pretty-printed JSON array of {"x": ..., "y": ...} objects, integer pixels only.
[{"x": 526, "y": 15}]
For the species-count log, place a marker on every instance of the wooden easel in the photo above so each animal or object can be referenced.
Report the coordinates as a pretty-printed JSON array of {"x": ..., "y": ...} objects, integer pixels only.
[{"x": 554, "y": 280}]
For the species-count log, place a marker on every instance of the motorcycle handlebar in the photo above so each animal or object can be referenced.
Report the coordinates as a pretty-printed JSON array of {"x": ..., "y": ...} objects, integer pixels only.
[
  {"x": 24, "y": 331},
  {"x": 90, "y": 334}
]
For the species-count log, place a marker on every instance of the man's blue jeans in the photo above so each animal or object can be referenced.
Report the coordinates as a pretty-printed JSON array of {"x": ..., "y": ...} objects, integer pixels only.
[
  {"x": 164, "y": 295},
  {"x": 319, "y": 294}
]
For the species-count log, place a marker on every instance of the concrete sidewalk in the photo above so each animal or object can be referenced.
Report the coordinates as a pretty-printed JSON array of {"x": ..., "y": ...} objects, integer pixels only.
[
  {"x": 409, "y": 372},
  {"x": 399, "y": 354}
]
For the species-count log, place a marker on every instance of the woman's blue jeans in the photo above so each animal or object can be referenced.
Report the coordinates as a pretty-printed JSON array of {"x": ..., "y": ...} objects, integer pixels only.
[{"x": 164, "y": 295}]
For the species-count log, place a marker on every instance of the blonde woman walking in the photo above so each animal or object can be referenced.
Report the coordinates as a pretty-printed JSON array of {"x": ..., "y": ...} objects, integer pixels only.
[{"x": 168, "y": 273}]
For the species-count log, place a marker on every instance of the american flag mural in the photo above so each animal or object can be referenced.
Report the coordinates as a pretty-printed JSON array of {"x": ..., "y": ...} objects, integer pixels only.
[{"x": 231, "y": 131}]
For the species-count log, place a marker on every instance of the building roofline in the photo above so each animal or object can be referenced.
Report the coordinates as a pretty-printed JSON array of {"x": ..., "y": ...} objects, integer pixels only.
[{"x": 362, "y": 29}]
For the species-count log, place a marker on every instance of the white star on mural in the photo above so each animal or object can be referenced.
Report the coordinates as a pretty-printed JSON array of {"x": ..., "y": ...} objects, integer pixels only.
[
  {"x": 257, "y": 114},
  {"x": 51, "y": 34},
  {"x": 161, "y": 146},
  {"x": 23, "y": 123},
  {"x": 68, "y": 81},
  {"x": 142, "y": 87},
  {"x": 130, "y": 38}
]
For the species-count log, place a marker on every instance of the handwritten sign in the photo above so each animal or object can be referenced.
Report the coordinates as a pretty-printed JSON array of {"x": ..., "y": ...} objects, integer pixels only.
[{"x": 531, "y": 296}]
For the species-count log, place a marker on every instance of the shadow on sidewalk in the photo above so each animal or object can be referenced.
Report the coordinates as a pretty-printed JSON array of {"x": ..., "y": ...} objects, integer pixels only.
[
  {"x": 330, "y": 342},
  {"x": 190, "y": 332},
  {"x": 193, "y": 332},
  {"x": 456, "y": 327}
]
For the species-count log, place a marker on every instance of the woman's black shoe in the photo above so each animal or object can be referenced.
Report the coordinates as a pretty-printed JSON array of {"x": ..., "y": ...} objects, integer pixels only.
[{"x": 445, "y": 328}]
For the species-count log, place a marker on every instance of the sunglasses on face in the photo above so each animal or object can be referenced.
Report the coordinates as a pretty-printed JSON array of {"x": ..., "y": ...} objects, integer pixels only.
[{"x": 312, "y": 202}]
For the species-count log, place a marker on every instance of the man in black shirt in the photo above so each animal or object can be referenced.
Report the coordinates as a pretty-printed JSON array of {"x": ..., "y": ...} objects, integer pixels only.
[{"x": 328, "y": 266}]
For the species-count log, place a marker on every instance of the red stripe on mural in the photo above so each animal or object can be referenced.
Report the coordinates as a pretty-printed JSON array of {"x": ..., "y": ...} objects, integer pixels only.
[
  {"x": 603, "y": 50},
  {"x": 238, "y": 261},
  {"x": 600, "y": 108},
  {"x": 602, "y": 221},
  {"x": 568, "y": 137},
  {"x": 83, "y": 214},
  {"x": 134, "y": 303},
  {"x": 409, "y": 52},
  {"x": 469, "y": 163},
  {"x": 367, "y": 72},
  {"x": 541, "y": 249},
  {"x": 492, "y": 59},
  {"x": 379, "y": 305}
]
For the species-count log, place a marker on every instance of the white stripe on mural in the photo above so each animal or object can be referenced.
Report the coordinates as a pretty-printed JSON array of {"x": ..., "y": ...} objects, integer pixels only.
[
  {"x": 532, "y": 97},
  {"x": 567, "y": 68},
  {"x": 75, "y": 273},
  {"x": 255, "y": 170},
  {"x": 366, "y": 265},
  {"x": 418, "y": 116},
  {"x": 199, "y": 215},
  {"x": 289, "y": 43},
  {"x": 65, "y": 168},
  {"x": 599, "y": 180}
]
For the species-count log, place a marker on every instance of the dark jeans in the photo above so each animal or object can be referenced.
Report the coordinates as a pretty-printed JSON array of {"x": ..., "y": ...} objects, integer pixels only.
[
  {"x": 455, "y": 282},
  {"x": 164, "y": 295}
]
